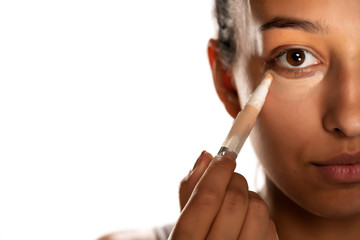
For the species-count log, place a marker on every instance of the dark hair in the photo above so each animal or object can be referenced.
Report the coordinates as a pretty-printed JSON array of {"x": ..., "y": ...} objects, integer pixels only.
[{"x": 226, "y": 33}]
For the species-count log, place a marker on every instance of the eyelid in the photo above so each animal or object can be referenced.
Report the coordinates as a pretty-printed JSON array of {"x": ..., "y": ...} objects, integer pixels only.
[{"x": 294, "y": 73}]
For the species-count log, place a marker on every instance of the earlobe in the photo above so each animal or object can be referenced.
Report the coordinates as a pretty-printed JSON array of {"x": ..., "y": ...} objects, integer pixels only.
[{"x": 223, "y": 80}]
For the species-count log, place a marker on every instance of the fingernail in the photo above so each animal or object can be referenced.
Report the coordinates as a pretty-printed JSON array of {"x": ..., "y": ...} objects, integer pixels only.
[{"x": 198, "y": 160}]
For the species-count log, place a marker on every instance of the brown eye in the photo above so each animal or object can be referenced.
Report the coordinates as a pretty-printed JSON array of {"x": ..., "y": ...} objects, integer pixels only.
[{"x": 295, "y": 57}]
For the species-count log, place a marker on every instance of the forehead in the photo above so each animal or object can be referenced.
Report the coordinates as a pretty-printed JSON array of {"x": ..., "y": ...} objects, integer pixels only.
[{"x": 331, "y": 11}]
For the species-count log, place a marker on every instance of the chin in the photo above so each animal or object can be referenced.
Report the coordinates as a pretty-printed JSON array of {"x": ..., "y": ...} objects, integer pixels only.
[
  {"x": 334, "y": 205},
  {"x": 337, "y": 213}
]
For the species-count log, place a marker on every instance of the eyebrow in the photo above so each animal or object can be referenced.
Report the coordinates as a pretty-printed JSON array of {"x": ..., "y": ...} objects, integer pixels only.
[{"x": 304, "y": 25}]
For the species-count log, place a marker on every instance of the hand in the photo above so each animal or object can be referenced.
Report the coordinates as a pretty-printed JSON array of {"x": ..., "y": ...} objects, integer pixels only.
[{"x": 216, "y": 204}]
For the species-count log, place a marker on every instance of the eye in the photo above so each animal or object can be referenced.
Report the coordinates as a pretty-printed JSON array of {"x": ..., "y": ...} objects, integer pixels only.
[{"x": 296, "y": 58}]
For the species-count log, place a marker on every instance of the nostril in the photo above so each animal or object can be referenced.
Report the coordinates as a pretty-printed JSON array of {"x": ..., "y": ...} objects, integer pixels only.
[{"x": 344, "y": 123}]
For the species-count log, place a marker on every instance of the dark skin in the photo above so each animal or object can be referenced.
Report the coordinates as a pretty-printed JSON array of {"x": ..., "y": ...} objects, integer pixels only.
[{"x": 311, "y": 116}]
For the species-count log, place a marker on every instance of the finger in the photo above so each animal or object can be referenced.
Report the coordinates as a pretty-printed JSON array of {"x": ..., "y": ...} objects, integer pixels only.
[
  {"x": 196, "y": 218},
  {"x": 230, "y": 218},
  {"x": 187, "y": 185},
  {"x": 271, "y": 234},
  {"x": 257, "y": 219}
]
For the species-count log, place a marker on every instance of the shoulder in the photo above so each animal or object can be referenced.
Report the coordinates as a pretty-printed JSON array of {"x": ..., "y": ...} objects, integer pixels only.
[
  {"x": 148, "y": 234},
  {"x": 158, "y": 233}
]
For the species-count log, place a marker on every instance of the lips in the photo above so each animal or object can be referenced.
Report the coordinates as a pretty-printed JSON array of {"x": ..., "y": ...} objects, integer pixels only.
[{"x": 344, "y": 168}]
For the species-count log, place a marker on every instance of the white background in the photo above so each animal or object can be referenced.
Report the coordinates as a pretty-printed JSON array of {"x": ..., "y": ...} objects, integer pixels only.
[{"x": 104, "y": 107}]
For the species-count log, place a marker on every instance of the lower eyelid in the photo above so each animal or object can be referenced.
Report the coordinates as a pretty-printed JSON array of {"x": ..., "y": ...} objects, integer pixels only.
[{"x": 295, "y": 73}]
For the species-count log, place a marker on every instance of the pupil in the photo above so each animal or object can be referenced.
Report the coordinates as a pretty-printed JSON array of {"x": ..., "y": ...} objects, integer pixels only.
[{"x": 295, "y": 57}]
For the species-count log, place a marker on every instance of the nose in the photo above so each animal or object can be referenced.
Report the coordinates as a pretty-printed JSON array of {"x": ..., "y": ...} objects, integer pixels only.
[{"x": 342, "y": 116}]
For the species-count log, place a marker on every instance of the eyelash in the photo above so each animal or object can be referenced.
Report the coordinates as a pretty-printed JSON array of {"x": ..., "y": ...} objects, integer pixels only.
[{"x": 293, "y": 72}]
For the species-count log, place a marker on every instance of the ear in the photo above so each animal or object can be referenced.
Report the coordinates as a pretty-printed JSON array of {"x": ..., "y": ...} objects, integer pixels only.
[{"x": 223, "y": 80}]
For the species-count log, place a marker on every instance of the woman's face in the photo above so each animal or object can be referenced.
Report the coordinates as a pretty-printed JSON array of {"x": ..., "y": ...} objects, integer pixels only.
[{"x": 308, "y": 134}]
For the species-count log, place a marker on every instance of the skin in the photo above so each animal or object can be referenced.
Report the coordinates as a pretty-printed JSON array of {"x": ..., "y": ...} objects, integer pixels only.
[
  {"x": 302, "y": 203},
  {"x": 295, "y": 131},
  {"x": 330, "y": 114}
]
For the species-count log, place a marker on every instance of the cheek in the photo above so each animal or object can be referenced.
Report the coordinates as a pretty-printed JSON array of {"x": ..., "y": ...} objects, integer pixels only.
[
  {"x": 289, "y": 120},
  {"x": 287, "y": 138},
  {"x": 283, "y": 133}
]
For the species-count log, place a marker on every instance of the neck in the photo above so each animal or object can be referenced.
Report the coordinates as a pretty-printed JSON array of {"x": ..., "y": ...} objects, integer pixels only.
[{"x": 295, "y": 223}]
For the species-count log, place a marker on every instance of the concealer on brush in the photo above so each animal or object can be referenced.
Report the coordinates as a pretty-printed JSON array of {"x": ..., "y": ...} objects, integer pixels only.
[{"x": 246, "y": 118}]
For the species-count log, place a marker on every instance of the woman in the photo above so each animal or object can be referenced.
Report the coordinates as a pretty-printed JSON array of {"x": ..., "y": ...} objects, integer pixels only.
[{"x": 307, "y": 137}]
